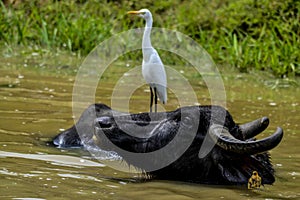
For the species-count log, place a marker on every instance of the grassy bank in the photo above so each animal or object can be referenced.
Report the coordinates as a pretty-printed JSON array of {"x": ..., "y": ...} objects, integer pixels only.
[{"x": 245, "y": 34}]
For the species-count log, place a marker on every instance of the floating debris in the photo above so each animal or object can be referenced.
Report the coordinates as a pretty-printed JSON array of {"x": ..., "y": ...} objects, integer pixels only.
[{"x": 254, "y": 181}]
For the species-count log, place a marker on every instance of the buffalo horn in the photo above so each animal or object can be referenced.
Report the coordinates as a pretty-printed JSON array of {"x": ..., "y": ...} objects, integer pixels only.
[
  {"x": 226, "y": 141},
  {"x": 251, "y": 129}
]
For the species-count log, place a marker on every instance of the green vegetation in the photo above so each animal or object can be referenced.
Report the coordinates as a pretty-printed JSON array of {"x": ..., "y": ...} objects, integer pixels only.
[{"x": 247, "y": 34}]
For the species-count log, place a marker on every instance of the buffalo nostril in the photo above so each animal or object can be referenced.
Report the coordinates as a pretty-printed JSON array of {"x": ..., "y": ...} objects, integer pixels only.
[
  {"x": 104, "y": 122},
  {"x": 57, "y": 141}
]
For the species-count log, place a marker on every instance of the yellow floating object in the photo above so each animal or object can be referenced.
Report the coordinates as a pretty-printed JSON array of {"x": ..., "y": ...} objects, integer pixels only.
[{"x": 254, "y": 181}]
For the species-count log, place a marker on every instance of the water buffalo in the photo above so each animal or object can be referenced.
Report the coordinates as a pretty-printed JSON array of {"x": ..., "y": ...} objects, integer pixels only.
[{"x": 146, "y": 140}]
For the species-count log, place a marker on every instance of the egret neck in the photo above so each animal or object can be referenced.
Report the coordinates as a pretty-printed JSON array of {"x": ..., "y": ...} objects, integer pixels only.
[{"x": 146, "y": 43}]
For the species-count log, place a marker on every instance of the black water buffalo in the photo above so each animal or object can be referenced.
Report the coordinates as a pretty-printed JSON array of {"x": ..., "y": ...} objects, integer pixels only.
[{"x": 168, "y": 145}]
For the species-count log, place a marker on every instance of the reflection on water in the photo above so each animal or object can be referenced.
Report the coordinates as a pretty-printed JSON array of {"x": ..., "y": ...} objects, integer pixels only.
[
  {"x": 55, "y": 159},
  {"x": 36, "y": 105}
]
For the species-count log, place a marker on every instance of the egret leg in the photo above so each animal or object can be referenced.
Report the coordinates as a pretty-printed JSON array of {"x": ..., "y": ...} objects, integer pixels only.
[
  {"x": 155, "y": 98},
  {"x": 151, "y": 99}
]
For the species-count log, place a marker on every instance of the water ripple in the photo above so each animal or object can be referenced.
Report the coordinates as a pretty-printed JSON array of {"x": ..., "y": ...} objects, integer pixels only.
[{"x": 55, "y": 159}]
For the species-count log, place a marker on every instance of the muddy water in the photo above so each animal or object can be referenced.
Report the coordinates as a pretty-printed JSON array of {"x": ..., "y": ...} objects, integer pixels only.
[{"x": 35, "y": 104}]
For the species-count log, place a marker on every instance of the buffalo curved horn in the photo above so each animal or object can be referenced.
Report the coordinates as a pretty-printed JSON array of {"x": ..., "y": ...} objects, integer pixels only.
[
  {"x": 221, "y": 136},
  {"x": 251, "y": 129}
]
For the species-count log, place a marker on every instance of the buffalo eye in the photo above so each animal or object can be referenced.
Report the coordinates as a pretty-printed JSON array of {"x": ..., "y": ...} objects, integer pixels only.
[{"x": 187, "y": 122}]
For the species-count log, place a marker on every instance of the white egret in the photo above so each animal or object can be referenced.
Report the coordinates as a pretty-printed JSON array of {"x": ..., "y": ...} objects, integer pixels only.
[{"x": 152, "y": 67}]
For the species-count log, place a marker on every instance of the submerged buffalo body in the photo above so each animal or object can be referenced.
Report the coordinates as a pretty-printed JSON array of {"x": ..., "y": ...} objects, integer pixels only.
[{"x": 231, "y": 155}]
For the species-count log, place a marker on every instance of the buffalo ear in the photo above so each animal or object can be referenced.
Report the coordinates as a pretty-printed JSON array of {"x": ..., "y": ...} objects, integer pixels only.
[
  {"x": 233, "y": 175},
  {"x": 239, "y": 169}
]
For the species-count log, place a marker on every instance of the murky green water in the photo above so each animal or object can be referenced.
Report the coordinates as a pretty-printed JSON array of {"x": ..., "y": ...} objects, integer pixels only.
[{"x": 36, "y": 104}]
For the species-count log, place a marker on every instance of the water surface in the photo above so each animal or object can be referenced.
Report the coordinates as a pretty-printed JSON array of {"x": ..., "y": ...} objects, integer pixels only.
[{"x": 36, "y": 103}]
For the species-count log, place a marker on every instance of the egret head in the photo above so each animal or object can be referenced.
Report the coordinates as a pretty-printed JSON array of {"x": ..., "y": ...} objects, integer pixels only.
[{"x": 144, "y": 13}]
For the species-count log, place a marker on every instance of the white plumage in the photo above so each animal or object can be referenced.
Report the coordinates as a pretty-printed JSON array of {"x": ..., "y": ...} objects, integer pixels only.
[{"x": 152, "y": 67}]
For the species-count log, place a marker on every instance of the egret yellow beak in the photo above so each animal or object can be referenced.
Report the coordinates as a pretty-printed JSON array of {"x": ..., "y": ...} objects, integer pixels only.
[{"x": 133, "y": 12}]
